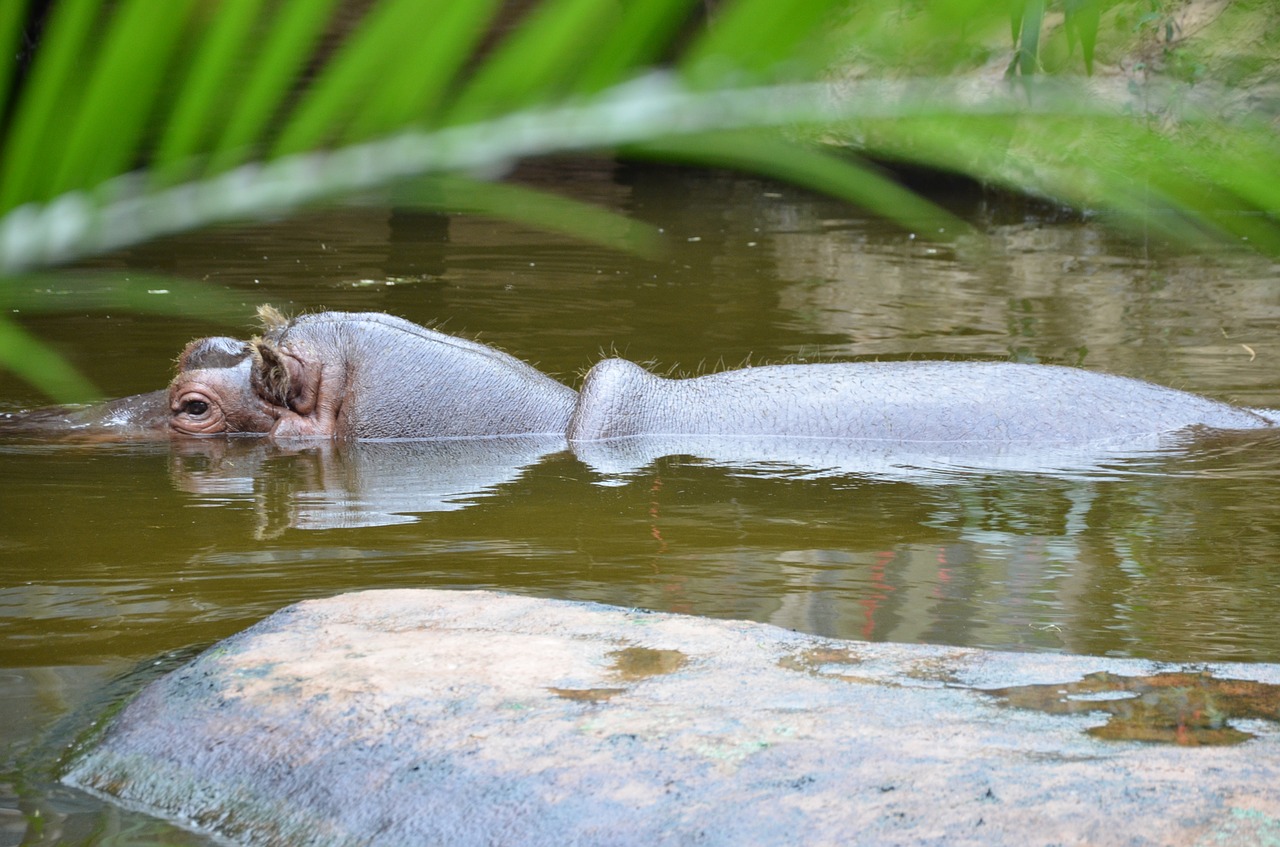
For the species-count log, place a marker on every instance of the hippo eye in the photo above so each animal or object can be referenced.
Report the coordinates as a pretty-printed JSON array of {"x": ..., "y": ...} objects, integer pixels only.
[{"x": 195, "y": 408}]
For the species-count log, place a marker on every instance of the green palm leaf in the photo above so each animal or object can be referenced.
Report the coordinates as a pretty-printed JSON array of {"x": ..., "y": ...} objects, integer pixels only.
[{"x": 138, "y": 118}]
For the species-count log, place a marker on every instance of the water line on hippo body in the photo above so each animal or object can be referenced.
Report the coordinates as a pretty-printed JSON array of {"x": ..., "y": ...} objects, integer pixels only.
[{"x": 351, "y": 376}]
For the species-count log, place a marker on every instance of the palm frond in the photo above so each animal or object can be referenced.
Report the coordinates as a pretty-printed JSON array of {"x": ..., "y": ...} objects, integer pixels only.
[
  {"x": 28, "y": 357},
  {"x": 136, "y": 119}
]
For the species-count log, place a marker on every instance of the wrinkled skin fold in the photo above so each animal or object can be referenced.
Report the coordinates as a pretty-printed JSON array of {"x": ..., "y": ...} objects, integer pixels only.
[{"x": 364, "y": 376}]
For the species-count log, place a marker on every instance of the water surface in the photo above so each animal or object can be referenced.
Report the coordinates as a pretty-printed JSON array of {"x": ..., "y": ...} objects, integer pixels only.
[{"x": 119, "y": 561}]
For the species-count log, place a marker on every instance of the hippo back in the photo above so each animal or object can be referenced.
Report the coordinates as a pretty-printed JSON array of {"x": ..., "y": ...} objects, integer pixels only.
[
  {"x": 972, "y": 402},
  {"x": 405, "y": 381}
]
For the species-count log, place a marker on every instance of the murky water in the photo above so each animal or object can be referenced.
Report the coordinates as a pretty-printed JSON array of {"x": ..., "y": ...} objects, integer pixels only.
[
  {"x": 118, "y": 561},
  {"x": 1188, "y": 709}
]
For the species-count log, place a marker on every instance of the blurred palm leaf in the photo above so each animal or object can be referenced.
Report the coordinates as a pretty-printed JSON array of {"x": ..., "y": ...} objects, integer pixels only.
[
  {"x": 40, "y": 364},
  {"x": 137, "y": 118}
]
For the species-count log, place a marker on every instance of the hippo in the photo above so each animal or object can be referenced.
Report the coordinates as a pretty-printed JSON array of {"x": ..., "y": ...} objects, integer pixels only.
[{"x": 371, "y": 376}]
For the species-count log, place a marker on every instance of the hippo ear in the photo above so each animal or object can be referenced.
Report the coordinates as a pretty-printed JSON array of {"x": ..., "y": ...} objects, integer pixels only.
[{"x": 273, "y": 378}]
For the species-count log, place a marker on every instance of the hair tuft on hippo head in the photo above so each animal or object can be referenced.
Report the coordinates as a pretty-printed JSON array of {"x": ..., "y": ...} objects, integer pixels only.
[{"x": 272, "y": 318}]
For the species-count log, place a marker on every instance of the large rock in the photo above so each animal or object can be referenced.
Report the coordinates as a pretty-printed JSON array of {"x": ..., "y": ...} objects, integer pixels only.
[{"x": 438, "y": 717}]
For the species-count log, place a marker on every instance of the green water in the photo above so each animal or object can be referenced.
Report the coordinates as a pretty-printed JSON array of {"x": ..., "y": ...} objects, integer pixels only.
[{"x": 119, "y": 561}]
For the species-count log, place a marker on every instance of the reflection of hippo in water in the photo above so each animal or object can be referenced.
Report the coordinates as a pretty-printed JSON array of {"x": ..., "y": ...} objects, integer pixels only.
[{"x": 371, "y": 376}]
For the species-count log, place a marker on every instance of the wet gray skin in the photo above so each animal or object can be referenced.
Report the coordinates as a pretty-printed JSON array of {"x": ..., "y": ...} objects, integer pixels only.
[
  {"x": 373, "y": 376},
  {"x": 140, "y": 416}
]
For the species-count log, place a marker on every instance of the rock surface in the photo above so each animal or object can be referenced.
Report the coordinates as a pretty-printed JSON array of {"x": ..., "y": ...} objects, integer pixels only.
[{"x": 439, "y": 717}]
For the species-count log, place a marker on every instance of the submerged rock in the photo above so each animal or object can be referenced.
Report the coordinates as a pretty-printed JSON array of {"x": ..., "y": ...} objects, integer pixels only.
[{"x": 438, "y": 717}]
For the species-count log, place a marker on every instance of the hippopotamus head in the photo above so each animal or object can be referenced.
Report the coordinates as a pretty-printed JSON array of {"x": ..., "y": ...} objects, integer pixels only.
[
  {"x": 332, "y": 375},
  {"x": 214, "y": 391}
]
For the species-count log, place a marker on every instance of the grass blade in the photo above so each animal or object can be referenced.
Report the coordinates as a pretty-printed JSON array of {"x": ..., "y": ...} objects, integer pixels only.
[
  {"x": 346, "y": 78},
  {"x": 1081, "y": 21},
  {"x": 42, "y": 366},
  {"x": 755, "y": 41},
  {"x": 13, "y": 16},
  {"x": 205, "y": 99},
  {"x": 638, "y": 39},
  {"x": 538, "y": 60},
  {"x": 402, "y": 58},
  {"x": 26, "y": 356},
  {"x": 134, "y": 57},
  {"x": 33, "y": 149},
  {"x": 282, "y": 53},
  {"x": 1029, "y": 37},
  {"x": 548, "y": 212},
  {"x": 412, "y": 93},
  {"x": 824, "y": 172}
]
